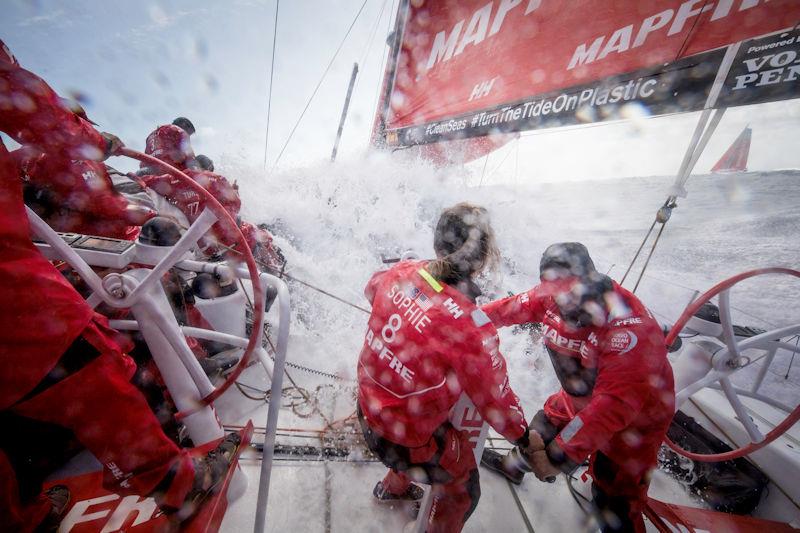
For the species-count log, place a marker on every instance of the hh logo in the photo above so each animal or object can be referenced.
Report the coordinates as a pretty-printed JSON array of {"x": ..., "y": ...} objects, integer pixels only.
[
  {"x": 481, "y": 89},
  {"x": 453, "y": 308}
]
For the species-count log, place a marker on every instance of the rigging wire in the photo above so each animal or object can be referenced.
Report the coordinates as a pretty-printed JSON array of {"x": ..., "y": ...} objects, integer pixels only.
[
  {"x": 508, "y": 153},
  {"x": 283, "y": 274},
  {"x": 483, "y": 173},
  {"x": 650, "y": 255},
  {"x": 326, "y": 293},
  {"x": 368, "y": 47},
  {"x": 319, "y": 84},
  {"x": 382, "y": 71},
  {"x": 271, "y": 76},
  {"x": 636, "y": 255}
]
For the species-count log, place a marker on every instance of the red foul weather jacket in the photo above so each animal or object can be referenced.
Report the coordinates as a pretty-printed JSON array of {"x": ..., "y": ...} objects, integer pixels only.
[
  {"x": 192, "y": 204},
  {"x": 78, "y": 196},
  {"x": 40, "y": 313},
  {"x": 426, "y": 342},
  {"x": 621, "y": 381},
  {"x": 170, "y": 144}
]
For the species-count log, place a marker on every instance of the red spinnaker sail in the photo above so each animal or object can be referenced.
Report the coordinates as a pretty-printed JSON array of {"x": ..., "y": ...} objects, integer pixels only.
[
  {"x": 735, "y": 158},
  {"x": 472, "y": 68}
]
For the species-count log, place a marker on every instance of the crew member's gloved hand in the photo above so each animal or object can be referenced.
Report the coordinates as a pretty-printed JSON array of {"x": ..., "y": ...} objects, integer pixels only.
[
  {"x": 113, "y": 144},
  {"x": 536, "y": 457},
  {"x": 541, "y": 466}
]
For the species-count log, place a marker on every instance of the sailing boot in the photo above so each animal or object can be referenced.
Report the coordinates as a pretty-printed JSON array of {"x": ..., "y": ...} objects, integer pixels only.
[
  {"x": 209, "y": 473},
  {"x": 59, "y": 496},
  {"x": 511, "y": 465},
  {"x": 412, "y": 493}
]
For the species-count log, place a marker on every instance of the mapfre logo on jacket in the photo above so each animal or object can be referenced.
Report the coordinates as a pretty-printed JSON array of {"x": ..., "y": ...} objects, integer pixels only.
[
  {"x": 559, "y": 336},
  {"x": 425, "y": 344}
]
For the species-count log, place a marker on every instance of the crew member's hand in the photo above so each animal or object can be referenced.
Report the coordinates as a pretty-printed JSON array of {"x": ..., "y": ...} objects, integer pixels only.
[
  {"x": 113, "y": 144},
  {"x": 535, "y": 441},
  {"x": 535, "y": 444},
  {"x": 541, "y": 466}
]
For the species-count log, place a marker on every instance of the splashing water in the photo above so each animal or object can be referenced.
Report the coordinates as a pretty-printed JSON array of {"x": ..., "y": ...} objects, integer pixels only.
[{"x": 337, "y": 222}]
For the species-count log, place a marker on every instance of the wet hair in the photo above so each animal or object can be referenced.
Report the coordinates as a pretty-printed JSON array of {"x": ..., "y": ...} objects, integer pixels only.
[
  {"x": 464, "y": 243},
  {"x": 204, "y": 162},
  {"x": 185, "y": 124}
]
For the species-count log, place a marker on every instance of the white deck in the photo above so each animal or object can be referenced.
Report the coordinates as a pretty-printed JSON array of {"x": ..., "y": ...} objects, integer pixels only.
[
  {"x": 336, "y": 496},
  {"x": 312, "y": 495}
]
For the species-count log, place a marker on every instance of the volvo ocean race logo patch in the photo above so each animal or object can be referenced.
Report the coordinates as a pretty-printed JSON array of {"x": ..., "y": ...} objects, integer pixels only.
[{"x": 622, "y": 341}]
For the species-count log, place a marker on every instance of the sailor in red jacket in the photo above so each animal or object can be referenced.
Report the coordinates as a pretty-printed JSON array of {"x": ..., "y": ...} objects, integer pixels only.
[
  {"x": 59, "y": 362},
  {"x": 426, "y": 343},
  {"x": 78, "y": 196},
  {"x": 617, "y": 397},
  {"x": 170, "y": 143},
  {"x": 190, "y": 205}
]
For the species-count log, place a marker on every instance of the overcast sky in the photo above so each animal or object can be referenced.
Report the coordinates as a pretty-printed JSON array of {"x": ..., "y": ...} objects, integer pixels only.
[{"x": 138, "y": 64}]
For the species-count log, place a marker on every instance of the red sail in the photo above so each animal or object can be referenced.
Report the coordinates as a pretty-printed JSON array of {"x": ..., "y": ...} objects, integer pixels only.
[
  {"x": 462, "y": 151},
  {"x": 735, "y": 159},
  {"x": 471, "y": 68}
]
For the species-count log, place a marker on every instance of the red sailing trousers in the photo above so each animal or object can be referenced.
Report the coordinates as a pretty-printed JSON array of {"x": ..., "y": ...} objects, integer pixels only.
[
  {"x": 616, "y": 488},
  {"x": 446, "y": 461},
  {"x": 111, "y": 418}
]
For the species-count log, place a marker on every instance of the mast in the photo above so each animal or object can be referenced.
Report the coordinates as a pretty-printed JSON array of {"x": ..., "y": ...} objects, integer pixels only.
[
  {"x": 344, "y": 111},
  {"x": 396, "y": 39}
]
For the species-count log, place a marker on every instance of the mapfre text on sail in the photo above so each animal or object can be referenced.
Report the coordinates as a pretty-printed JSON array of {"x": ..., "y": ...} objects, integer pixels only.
[{"x": 487, "y": 22}]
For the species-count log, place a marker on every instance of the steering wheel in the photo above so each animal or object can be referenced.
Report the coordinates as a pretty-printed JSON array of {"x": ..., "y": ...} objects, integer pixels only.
[
  {"x": 258, "y": 293},
  {"x": 727, "y": 361}
]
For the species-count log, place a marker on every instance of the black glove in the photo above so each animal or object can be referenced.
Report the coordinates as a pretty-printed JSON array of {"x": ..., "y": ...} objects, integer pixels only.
[{"x": 113, "y": 144}]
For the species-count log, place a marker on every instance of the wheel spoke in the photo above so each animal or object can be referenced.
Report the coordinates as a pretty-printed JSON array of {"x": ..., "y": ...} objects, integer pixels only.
[
  {"x": 740, "y": 410},
  {"x": 727, "y": 326},
  {"x": 710, "y": 378}
]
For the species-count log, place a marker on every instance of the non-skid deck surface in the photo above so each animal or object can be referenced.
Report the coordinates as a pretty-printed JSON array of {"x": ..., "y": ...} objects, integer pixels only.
[
  {"x": 315, "y": 496},
  {"x": 311, "y": 495}
]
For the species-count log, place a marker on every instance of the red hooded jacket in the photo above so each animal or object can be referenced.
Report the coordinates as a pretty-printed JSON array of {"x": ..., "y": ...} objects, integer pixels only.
[
  {"x": 426, "y": 343},
  {"x": 192, "y": 204},
  {"x": 41, "y": 314},
  {"x": 632, "y": 401},
  {"x": 170, "y": 144},
  {"x": 78, "y": 196}
]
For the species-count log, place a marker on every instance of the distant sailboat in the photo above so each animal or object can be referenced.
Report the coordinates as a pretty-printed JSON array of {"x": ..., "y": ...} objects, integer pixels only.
[{"x": 735, "y": 159}]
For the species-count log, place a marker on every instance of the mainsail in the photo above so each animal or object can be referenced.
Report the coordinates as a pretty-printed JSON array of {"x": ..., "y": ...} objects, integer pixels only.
[
  {"x": 735, "y": 158},
  {"x": 463, "y": 69}
]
